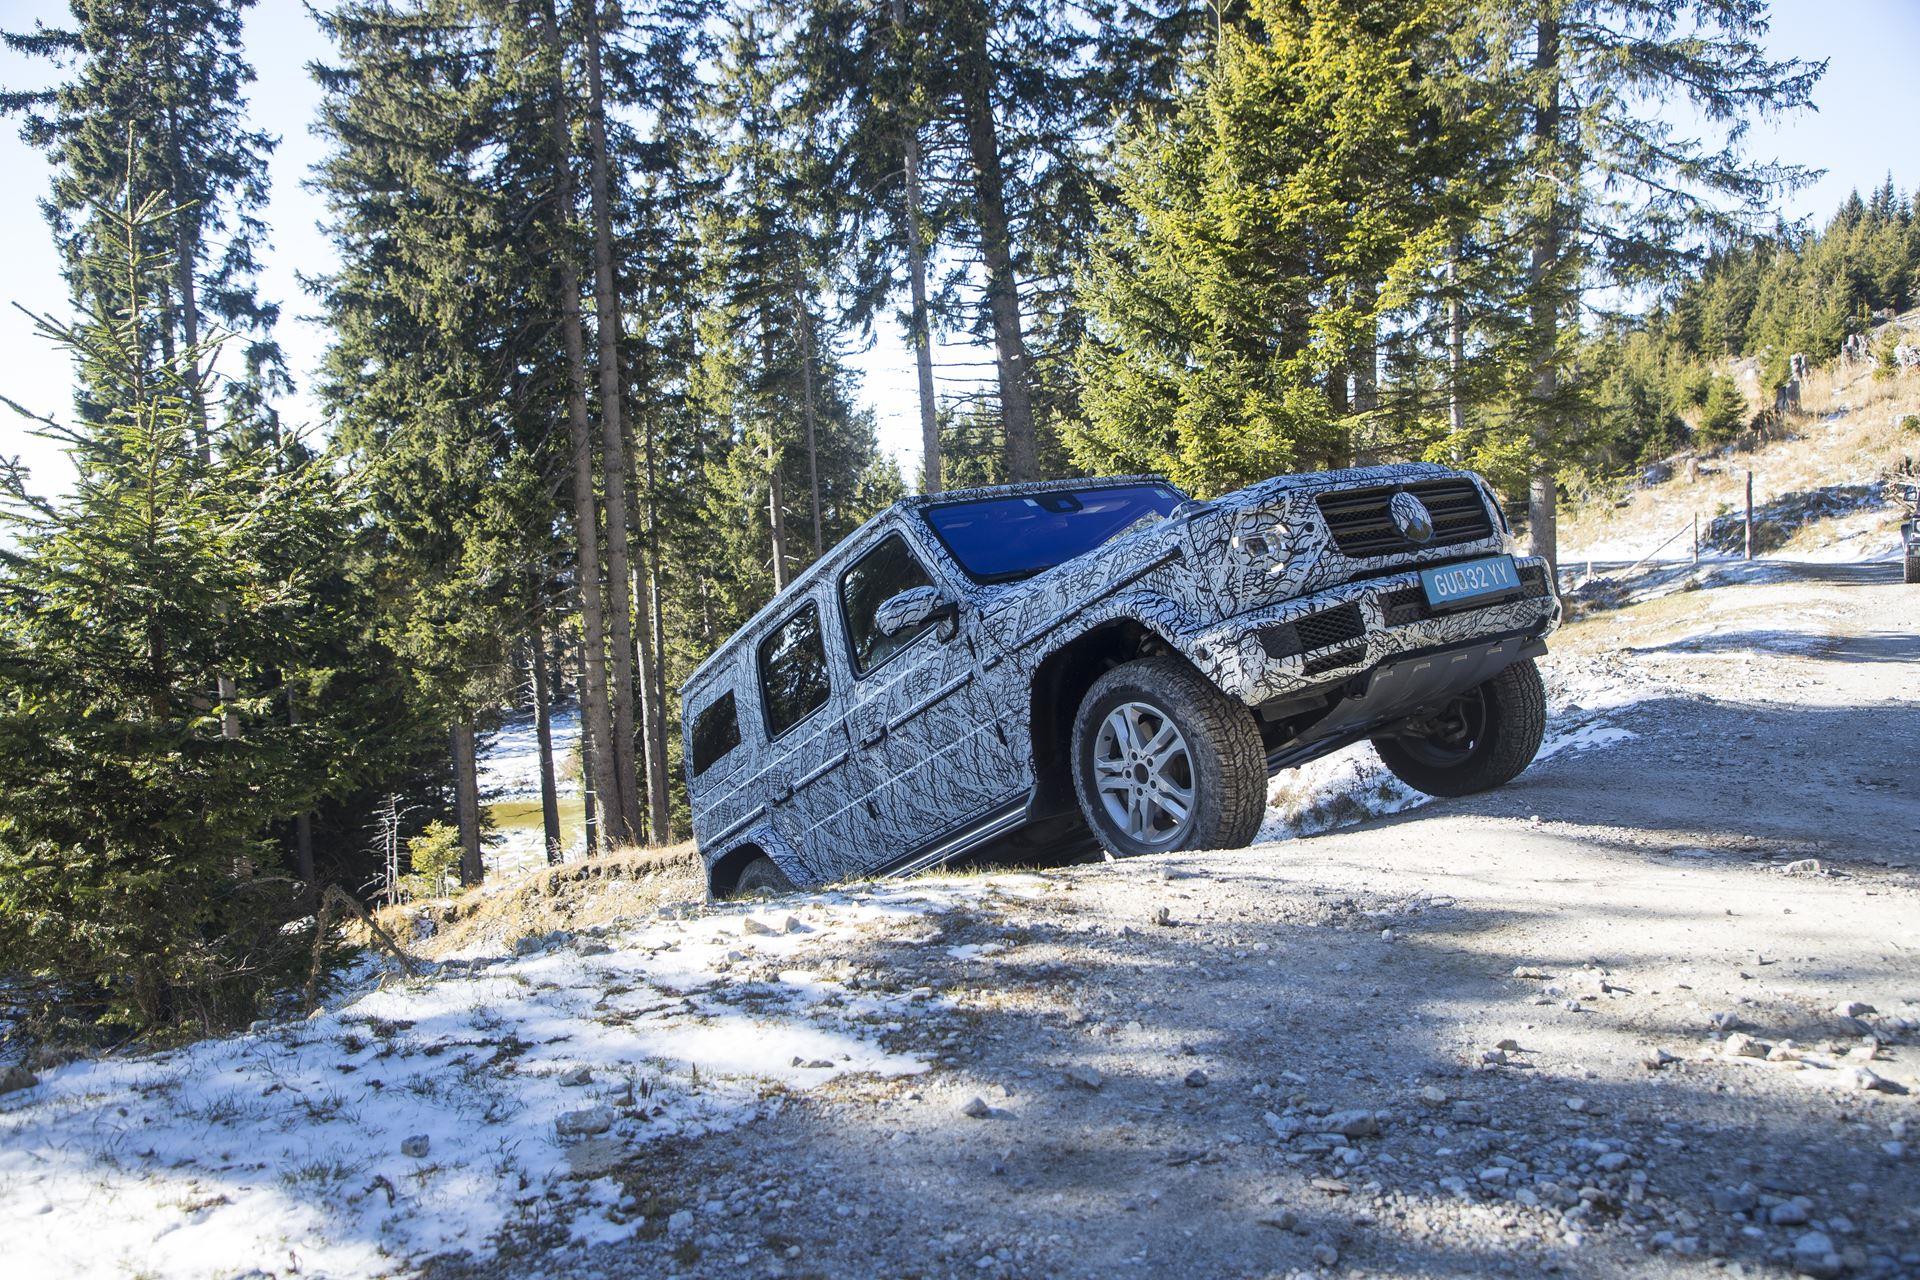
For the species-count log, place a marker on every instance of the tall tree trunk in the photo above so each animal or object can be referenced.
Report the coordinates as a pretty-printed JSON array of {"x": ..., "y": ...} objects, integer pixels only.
[
  {"x": 186, "y": 255},
  {"x": 302, "y": 822},
  {"x": 653, "y": 650},
  {"x": 1366, "y": 358},
  {"x": 466, "y": 789},
  {"x": 996, "y": 250},
  {"x": 804, "y": 317},
  {"x": 596, "y": 726},
  {"x": 589, "y": 810},
  {"x": 543, "y": 734},
  {"x": 776, "y": 516},
  {"x": 623, "y": 777},
  {"x": 1456, "y": 358},
  {"x": 1543, "y": 270},
  {"x": 917, "y": 281}
]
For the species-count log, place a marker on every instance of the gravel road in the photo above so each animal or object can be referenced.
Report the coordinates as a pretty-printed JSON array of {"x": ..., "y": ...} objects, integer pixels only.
[{"x": 1652, "y": 1010}]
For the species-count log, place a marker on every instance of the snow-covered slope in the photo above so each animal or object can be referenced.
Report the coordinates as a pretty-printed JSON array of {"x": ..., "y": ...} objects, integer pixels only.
[{"x": 421, "y": 1116}]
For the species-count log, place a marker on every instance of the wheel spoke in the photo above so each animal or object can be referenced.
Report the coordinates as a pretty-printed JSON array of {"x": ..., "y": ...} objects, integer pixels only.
[{"x": 1171, "y": 805}]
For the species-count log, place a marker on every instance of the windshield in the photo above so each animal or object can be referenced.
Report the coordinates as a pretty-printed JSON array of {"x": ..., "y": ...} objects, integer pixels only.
[{"x": 1000, "y": 539}]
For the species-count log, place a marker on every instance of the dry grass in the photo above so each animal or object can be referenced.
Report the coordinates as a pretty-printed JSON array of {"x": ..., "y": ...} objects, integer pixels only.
[
  {"x": 623, "y": 885},
  {"x": 1850, "y": 430}
]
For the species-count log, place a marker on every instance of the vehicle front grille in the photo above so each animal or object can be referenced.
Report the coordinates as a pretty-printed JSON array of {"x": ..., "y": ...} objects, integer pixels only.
[
  {"x": 1362, "y": 526},
  {"x": 1314, "y": 631}
]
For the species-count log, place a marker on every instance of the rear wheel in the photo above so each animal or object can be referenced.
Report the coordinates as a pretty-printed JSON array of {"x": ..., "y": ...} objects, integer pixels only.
[
  {"x": 1482, "y": 739},
  {"x": 760, "y": 878},
  {"x": 1913, "y": 567},
  {"x": 1163, "y": 760}
]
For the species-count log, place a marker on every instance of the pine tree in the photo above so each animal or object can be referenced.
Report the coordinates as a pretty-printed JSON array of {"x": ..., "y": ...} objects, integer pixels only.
[
  {"x": 140, "y": 880},
  {"x": 1309, "y": 185},
  {"x": 1616, "y": 192},
  {"x": 171, "y": 75}
]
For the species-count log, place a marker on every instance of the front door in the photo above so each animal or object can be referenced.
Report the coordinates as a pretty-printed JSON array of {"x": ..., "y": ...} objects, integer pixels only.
[{"x": 934, "y": 760}]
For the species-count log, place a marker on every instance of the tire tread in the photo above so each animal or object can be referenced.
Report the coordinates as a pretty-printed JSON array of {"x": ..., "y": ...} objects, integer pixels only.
[{"x": 1227, "y": 726}]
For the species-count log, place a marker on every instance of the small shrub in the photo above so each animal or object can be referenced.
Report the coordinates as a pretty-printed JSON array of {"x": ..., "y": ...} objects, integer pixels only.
[
  {"x": 433, "y": 861},
  {"x": 1723, "y": 412}
]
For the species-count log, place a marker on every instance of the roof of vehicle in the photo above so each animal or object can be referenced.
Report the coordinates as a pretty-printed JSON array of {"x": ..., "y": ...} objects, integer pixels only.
[{"x": 826, "y": 564}]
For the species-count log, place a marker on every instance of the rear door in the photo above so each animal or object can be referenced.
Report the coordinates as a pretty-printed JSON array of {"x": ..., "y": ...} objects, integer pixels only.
[{"x": 810, "y": 780}]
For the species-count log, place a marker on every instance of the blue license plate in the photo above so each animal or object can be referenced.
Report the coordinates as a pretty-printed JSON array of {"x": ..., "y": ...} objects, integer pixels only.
[{"x": 1485, "y": 579}]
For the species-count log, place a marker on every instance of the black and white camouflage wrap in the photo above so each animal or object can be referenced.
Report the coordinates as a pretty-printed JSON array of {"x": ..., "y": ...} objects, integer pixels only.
[{"x": 936, "y": 740}]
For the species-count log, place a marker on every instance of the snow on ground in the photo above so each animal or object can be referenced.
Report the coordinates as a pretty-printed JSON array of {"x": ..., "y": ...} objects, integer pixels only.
[
  {"x": 510, "y": 756},
  {"x": 413, "y": 1117}
]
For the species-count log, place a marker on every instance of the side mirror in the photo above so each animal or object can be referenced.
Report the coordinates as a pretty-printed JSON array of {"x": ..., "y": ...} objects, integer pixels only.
[{"x": 912, "y": 609}]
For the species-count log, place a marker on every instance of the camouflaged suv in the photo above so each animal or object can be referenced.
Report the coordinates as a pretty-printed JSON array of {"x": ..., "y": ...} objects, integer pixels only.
[{"x": 1109, "y": 658}]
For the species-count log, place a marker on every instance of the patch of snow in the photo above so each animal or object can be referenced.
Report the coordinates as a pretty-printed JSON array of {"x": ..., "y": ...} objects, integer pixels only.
[
  {"x": 509, "y": 757},
  {"x": 286, "y": 1143}
]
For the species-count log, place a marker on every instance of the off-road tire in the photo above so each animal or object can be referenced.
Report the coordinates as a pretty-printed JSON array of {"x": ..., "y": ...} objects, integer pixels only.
[
  {"x": 1229, "y": 764},
  {"x": 761, "y": 876},
  {"x": 1913, "y": 568},
  {"x": 1515, "y": 721}
]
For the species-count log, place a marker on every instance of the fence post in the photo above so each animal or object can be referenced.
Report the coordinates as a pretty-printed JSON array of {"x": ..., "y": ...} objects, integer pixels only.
[{"x": 1749, "y": 513}]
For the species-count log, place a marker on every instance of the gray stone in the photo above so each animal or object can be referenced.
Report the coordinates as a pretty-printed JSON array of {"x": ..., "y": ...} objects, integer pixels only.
[
  {"x": 415, "y": 1148},
  {"x": 1613, "y": 1162},
  {"x": 680, "y": 1222},
  {"x": 1195, "y": 1079},
  {"x": 577, "y": 1077},
  {"x": 1854, "y": 1009},
  {"x": 1813, "y": 1253},
  {"x": 977, "y": 1108},
  {"x": 585, "y": 1123},
  {"x": 1285, "y": 1128},
  {"x": 1741, "y": 1045},
  {"x": 1351, "y": 1124},
  {"x": 17, "y": 1078},
  {"x": 1085, "y": 1077},
  {"x": 1791, "y": 1213},
  {"x": 1867, "y": 1081}
]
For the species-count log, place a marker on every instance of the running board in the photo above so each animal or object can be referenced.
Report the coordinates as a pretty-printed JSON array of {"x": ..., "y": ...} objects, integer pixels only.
[{"x": 999, "y": 822}]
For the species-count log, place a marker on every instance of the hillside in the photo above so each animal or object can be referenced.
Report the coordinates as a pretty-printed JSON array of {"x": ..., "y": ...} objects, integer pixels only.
[{"x": 1817, "y": 485}]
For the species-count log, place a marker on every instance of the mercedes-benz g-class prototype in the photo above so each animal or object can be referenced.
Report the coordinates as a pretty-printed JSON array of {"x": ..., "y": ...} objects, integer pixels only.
[{"x": 1046, "y": 661}]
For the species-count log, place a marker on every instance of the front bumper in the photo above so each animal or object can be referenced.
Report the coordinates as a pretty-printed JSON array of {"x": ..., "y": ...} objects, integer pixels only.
[{"x": 1315, "y": 642}]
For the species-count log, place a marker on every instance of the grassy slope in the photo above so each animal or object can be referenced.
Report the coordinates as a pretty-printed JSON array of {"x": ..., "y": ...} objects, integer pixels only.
[{"x": 1848, "y": 433}]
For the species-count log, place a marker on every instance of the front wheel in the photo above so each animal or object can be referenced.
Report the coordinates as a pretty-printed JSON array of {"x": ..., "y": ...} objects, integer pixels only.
[
  {"x": 1482, "y": 739},
  {"x": 1163, "y": 760},
  {"x": 1913, "y": 567}
]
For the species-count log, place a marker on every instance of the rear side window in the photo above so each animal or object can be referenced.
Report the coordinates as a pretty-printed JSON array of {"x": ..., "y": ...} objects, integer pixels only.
[
  {"x": 793, "y": 671},
  {"x": 885, "y": 571},
  {"x": 716, "y": 731}
]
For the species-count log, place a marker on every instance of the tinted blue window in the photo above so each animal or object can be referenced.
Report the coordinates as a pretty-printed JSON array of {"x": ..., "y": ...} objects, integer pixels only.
[{"x": 1000, "y": 539}]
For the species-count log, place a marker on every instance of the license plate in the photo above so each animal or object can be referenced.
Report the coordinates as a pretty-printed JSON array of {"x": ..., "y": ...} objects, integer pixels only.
[{"x": 1475, "y": 580}]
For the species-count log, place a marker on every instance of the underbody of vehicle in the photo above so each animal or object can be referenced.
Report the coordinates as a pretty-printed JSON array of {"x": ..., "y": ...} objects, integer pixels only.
[{"x": 1109, "y": 659}]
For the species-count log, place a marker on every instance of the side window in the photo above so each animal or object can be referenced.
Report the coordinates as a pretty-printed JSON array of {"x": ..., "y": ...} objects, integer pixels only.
[
  {"x": 716, "y": 731},
  {"x": 793, "y": 671},
  {"x": 885, "y": 571}
]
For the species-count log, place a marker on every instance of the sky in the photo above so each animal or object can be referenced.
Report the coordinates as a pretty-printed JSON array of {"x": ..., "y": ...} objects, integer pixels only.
[{"x": 1864, "y": 126}]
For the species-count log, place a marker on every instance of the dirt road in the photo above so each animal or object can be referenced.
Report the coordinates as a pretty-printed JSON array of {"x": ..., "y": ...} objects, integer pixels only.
[
  {"x": 1512, "y": 1035},
  {"x": 1652, "y": 1010}
]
